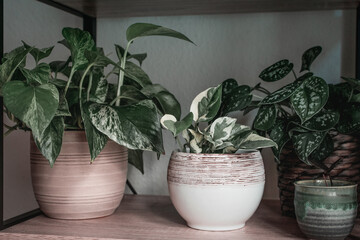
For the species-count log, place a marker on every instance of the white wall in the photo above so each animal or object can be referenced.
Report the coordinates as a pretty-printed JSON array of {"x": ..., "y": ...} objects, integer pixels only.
[
  {"x": 38, "y": 25},
  {"x": 232, "y": 46}
]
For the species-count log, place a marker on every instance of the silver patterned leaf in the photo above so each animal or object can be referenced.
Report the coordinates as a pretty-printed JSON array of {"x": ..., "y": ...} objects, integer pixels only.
[
  {"x": 310, "y": 98},
  {"x": 309, "y": 56},
  {"x": 276, "y": 71},
  {"x": 279, "y": 135},
  {"x": 324, "y": 120},
  {"x": 265, "y": 118}
]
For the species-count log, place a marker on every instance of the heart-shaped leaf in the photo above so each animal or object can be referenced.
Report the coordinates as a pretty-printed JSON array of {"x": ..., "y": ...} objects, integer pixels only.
[
  {"x": 324, "y": 120},
  {"x": 309, "y": 56},
  {"x": 281, "y": 94},
  {"x": 134, "y": 126},
  {"x": 280, "y": 136},
  {"x": 79, "y": 42},
  {"x": 135, "y": 73},
  {"x": 265, "y": 118},
  {"x": 39, "y": 75},
  {"x": 11, "y": 62},
  {"x": 228, "y": 85},
  {"x": 206, "y": 104},
  {"x": 169, "y": 122},
  {"x": 39, "y": 54},
  {"x": 324, "y": 150},
  {"x": 276, "y": 71},
  {"x": 146, "y": 29},
  {"x": 63, "y": 109},
  {"x": 237, "y": 99},
  {"x": 50, "y": 142},
  {"x": 34, "y": 105},
  {"x": 310, "y": 98},
  {"x": 349, "y": 119},
  {"x": 306, "y": 143}
]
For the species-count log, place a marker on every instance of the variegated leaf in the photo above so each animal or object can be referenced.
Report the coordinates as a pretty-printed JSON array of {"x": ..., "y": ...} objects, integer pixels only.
[
  {"x": 228, "y": 85},
  {"x": 220, "y": 131},
  {"x": 198, "y": 137},
  {"x": 324, "y": 150},
  {"x": 310, "y": 98},
  {"x": 39, "y": 75},
  {"x": 128, "y": 126},
  {"x": 309, "y": 56},
  {"x": 322, "y": 121},
  {"x": 237, "y": 99},
  {"x": 265, "y": 118},
  {"x": 279, "y": 135},
  {"x": 276, "y": 71},
  {"x": 169, "y": 122},
  {"x": 135, "y": 158},
  {"x": 281, "y": 94},
  {"x": 306, "y": 143},
  {"x": 194, "y": 147},
  {"x": 254, "y": 141},
  {"x": 206, "y": 105}
]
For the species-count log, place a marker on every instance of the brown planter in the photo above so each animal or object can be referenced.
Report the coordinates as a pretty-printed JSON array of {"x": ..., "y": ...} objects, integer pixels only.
[
  {"x": 291, "y": 169},
  {"x": 74, "y": 188}
]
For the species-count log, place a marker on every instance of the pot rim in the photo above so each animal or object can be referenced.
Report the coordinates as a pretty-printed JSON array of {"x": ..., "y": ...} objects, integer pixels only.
[
  {"x": 303, "y": 183},
  {"x": 246, "y": 151}
]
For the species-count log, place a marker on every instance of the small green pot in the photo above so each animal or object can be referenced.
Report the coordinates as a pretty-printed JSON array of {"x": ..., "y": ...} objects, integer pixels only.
[{"x": 324, "y": 211}]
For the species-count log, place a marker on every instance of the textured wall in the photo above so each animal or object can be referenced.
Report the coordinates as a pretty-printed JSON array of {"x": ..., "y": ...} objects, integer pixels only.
[
  {"x": 38, "y": 25},
  {"x": 232, "y": 46}
]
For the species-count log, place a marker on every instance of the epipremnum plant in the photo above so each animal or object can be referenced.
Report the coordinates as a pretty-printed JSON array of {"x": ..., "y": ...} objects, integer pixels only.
[
  {"x": 75, "y": 94},
  {"x": 221, "y": 134},
  {"x": 303, "y": 112}
]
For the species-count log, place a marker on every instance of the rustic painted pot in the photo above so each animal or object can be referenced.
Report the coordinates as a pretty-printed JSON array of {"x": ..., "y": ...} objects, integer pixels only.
[
  {"x": 216, "y": 192},
  {"x": 74, "y": 188},
  {"x": 325, "y": 212}
]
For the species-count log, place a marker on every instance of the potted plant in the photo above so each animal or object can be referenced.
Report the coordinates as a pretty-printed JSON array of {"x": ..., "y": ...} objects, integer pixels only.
[
  {"x": 75, "y": 115},
  {"x": 216, "y": 179},
  {"x": 312, "y": 122}
]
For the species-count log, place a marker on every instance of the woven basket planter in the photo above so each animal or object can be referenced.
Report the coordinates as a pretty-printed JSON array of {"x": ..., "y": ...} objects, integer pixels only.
[{"x": 291, "y": 169}]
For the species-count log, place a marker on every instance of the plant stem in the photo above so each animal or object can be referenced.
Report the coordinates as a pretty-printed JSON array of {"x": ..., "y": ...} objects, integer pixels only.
[
  {"x": 179, "y": 143},
  {"x": 11, "y": 129},
  {"x": 258, "y": 96},
  {"x": 120, "y": 97},
  {"x": 69, "y": 81},
  {"x": 294, "y": 73},
  {"x": 121, "y": 74},
  {"x": 82, "y": 80},
  {"x": 89, "y": 86}
]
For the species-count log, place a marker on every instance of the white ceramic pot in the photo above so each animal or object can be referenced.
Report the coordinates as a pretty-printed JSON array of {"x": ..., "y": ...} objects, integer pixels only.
[
  {"x": 75, "y": 189},
  {"x": 216, "y": 192}
]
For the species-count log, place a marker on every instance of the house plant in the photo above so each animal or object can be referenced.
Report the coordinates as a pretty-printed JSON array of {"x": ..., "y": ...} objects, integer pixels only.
[
  {"x": 216, "y": 179},
  {"x": 313, "y": 124},
  {"x": 74, "y": 95}
]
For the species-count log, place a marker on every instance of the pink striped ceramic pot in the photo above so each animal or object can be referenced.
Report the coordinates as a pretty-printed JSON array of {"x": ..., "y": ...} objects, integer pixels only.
[
  {"x": 216, "y": 192},
  {"x": 74, "y": 188}
]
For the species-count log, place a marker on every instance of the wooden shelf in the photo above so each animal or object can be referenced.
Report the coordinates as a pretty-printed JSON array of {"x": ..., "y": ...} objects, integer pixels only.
[
  {"x": 154, "y": 217},
  {"x": 131, "y": 8}
]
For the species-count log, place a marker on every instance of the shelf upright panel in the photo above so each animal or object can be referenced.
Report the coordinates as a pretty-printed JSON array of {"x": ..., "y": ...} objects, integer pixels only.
[
  {"x": 89, "y": 24},
  {"x": 357, "y": 49}
]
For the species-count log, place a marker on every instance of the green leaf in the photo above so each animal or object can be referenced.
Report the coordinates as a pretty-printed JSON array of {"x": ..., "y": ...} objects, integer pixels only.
[
  {"x": 220, "y": 131},
  {"x": 59, "y": 66},
  {"x": 79, "y": 42},
  {"x": 309, "y": 56},
  {"x": 228, "y": 85},
  {"x": 355, "y": 83},
  {"x": 166, "y": 101},
  {"x": 281, "y": 94},
  {"x": 349, "y": 119},
  {"x": 39, "y": 75},
  {"x": 339, "y": 95},
  {"x": 61, "y": 83},
  {"x": 169, "y": 122},
  {"x": 310, "y": 98},
  {"x": 98, "y": 58},
  {"x": 99, "y": 90},
  {"x": 39, "y": 54},
  {"x": 276, "y": 71},
  {"x": 63, "y": 109},
  {"x": 50, "y": 142},
  {"x": 134, "y": 126},
  {"x": 120, "y": 51},
  {"x": 11, "y": 62},
  {"x": 280, "y": 136},
  {"x": 136, "y": 159},
  {"x": 135, "y": 73},
  {"x": 324, "y": 150},
  {"x": 254, "y": 141},
  {"x": 306, "y": 143},
  {"x": 146, "y": 29},
  {"x": 265, "y": 118},
  {"x": 131, "y": 94},
  {"x": 34, "y": 105},
  {"x": 237, "y": 99},
  {"x": 322, "y": 121},
  {"x": 206, "y": 105},
  {"x": 96, "y": 139}
]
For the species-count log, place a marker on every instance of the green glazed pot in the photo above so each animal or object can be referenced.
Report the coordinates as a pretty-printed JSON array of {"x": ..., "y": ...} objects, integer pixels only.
[{"x": 324, "y": 211}]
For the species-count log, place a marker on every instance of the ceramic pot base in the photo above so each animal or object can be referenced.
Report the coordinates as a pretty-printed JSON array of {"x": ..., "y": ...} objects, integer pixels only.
[{"x": 218, "y": 228}]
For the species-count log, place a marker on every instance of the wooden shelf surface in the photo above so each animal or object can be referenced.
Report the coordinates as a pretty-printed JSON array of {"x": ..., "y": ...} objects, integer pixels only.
[
  {"x": 154, "y": 217},
  {"x": 132, "y": 8}
]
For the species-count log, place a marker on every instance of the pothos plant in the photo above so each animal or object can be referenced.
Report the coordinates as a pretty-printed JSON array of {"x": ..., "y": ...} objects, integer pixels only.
[
  {"x": 304, "y": 112},
  {"x": 75, "y": 94},
  {"x": 219, "y": 134}
]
